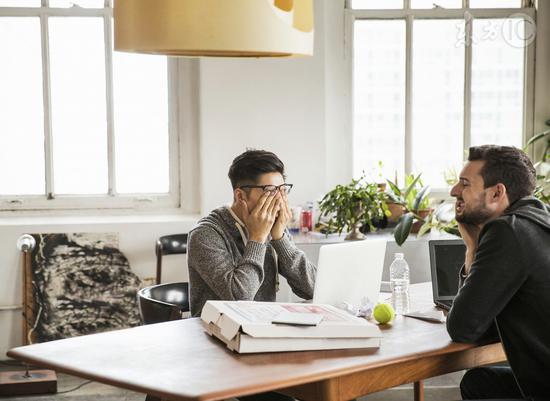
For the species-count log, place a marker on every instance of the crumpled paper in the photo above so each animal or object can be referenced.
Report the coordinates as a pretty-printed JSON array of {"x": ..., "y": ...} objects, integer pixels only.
[{"x": 363, "y": 310}]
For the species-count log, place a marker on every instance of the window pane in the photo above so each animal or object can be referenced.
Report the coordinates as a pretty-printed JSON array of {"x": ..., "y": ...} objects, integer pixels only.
[
  {"x": 80, "y": 3},
  {"x": 141, "y": 123},
  {"x": 495, "y": 3},
  {"x": 19, "y": 3},
  {"x": 377, "y": 4},
  {"x": 438, "y": 98},
  {"x": 379, "y": 96},
  {"x": 21, "y": 112},
  {"x": 497, "y": 84},
  {"x": 78, "y": 105},
  {"x": 431, "y": 3}
]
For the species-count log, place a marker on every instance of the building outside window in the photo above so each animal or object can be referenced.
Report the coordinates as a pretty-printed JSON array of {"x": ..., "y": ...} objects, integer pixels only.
[
  {"x": 82, "y": 126},
  {"x": 431, "y": 78}
]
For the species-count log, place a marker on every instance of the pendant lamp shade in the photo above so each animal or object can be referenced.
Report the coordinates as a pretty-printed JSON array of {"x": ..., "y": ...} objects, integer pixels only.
[{"x": 218, "y": 28}]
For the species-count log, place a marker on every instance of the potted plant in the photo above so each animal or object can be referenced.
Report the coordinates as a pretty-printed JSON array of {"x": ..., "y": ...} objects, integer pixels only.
[
  {"x": 349, "y": 207},
  {"x": 441, "y": 218},
  {"x": 542, "y": 165},
  {"x": 415, "y": 203}
]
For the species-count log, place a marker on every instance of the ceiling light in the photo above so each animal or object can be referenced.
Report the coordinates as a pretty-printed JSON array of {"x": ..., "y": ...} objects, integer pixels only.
[{"x": 217, "y": 28}]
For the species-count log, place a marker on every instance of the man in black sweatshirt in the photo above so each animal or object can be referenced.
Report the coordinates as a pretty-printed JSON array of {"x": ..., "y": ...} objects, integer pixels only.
[{"x": 505, "y": 292}]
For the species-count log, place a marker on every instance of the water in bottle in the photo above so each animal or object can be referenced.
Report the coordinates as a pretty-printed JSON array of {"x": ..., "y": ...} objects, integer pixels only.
[{"x": 399, "y": 283}]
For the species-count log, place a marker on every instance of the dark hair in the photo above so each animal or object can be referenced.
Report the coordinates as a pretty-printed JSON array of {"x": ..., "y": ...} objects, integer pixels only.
[
  {"x": 248, "y": 166},
  {"x": 507, "y": 165}
]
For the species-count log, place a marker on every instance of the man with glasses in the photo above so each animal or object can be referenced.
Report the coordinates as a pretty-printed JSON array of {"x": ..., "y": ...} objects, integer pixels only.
[{"x": 238, "y": 251}]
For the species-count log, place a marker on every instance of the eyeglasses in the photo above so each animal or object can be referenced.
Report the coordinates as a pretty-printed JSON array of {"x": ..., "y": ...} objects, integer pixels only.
[{"x": 283, "y": 188}]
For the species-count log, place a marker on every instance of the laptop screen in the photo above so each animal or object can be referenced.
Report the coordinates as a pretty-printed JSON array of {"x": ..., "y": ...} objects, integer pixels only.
[{"x": 446, "y": 259}]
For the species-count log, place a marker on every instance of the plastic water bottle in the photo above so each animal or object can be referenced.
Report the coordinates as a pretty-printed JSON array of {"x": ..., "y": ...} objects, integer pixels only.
[{"x": 399, "y": 284}]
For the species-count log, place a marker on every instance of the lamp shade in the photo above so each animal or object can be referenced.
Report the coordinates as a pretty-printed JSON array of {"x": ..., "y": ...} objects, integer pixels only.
[{"x": 219, "y": 28}]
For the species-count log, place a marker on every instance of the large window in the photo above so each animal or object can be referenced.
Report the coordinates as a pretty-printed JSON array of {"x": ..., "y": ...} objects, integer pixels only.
[
  {"x": 82, "y": 126},
  {"x": 431, "y": 78}
]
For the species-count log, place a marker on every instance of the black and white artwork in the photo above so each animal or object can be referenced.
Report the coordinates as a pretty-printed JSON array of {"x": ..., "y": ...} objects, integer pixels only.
[{"x": 82, "y": 284}]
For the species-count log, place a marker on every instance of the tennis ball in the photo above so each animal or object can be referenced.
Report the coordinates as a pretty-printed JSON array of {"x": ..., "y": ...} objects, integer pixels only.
[{"x": 383, "y": 313}]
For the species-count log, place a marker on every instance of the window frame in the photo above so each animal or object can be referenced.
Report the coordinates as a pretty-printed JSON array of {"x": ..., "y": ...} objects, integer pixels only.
[
  {"x": 409, "y": 15},
  {"x": 178, "y": 96}
]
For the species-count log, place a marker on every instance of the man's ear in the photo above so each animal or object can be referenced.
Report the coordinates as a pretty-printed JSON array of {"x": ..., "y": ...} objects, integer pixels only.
[
  {"x": 499, "y": 192},
  {"x": 239, "y": 194}
]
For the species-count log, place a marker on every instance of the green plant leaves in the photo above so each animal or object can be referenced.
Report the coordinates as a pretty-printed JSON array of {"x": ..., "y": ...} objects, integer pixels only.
[
  {"x": 420, "y": 197},
  {"x": 536, "y": 138},
  {"x": 427, "y": 226},
  {"x": 412, "y": 185},
  {"x": 356, "y": 202},
  {"x": 542, "y": 191},
  {"x": 403, "y": 228},
  {"x": 395, "y": 189}
]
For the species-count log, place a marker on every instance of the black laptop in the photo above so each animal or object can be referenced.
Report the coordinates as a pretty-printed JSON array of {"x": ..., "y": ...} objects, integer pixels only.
[{"x": 446, "y": 259}]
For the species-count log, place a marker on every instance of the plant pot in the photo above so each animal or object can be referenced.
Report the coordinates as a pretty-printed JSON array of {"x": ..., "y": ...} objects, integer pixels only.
[
  {"x": 355, "y": 234},
  {"x": 396, "y": 211},
  {"x": 379, "y": 223},
  {"x": 417, "y": 224}
]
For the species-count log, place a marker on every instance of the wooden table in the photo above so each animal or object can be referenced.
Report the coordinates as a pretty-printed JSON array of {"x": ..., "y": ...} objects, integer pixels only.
[{"x": 178, "y": 361}]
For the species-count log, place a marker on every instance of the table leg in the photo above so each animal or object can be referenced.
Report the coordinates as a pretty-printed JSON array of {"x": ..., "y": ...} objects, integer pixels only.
[{"x": 419, "y": 390}]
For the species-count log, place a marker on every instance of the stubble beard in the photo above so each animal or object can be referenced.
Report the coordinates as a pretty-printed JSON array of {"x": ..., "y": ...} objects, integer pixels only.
[{"x": 476, "y": 215}]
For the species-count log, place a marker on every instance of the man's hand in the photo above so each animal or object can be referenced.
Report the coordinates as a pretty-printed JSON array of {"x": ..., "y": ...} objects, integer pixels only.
[
  {"x": 470, "y": 235},
  {"x": 260, "y": 220},
  {"x": 283, "y": 218}
]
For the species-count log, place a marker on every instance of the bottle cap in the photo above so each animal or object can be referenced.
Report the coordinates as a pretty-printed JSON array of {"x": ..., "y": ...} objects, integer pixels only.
[{"x": 399, "y": 256}]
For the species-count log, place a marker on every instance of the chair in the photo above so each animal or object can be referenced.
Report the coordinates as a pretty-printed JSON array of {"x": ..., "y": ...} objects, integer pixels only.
[
  {"x": 169, "y": 245},
  {"x": 163, "y": 302}
]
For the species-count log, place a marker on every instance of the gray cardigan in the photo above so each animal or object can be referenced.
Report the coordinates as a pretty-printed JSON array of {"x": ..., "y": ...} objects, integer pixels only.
[{"x": 221, "y": 266}]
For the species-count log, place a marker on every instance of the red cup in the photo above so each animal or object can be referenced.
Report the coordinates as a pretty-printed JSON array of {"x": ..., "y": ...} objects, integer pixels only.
[{"x": 306, "y": 221}]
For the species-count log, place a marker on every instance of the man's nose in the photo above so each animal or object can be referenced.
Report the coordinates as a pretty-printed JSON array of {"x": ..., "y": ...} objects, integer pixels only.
[{"x": 455, "y": 191}]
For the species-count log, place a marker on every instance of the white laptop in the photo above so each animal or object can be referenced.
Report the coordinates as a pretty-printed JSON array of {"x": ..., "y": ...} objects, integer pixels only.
[{"x": 349, "y": 272}]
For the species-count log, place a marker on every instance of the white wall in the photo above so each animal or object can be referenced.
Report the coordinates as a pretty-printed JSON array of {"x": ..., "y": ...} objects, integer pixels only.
[{"x": 279, "y": 105}]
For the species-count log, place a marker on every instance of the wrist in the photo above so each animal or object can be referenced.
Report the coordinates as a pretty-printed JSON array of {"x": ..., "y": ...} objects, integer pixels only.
[
  {"x": 277, "y": 232},
  {"x": 258, "y": 238},
  {"x": 470, "y": 253}
]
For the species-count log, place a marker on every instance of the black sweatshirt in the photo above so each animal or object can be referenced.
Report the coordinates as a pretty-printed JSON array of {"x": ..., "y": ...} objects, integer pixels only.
[{"x": 509, "y": 288}]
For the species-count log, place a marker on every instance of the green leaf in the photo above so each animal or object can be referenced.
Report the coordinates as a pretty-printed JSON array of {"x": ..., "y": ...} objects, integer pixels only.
[
  {"x": 403, "y": 229},
  {"x": 412, "y": 184},
  {"x": 536, "y": 138},
  {"x": 395, "y": 189},
  {"x": 425, "y": 228},
  {"x": 420, "y": 197}
]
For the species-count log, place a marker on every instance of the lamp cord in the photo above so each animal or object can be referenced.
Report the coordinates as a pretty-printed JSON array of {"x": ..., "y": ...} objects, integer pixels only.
[
  {"x": 29, "y": 334},
  {"x": 75, "y": 388}
]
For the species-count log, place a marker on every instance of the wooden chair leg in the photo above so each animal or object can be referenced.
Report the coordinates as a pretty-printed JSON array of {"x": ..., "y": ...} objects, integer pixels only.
[{"x": 419, "y": 391}]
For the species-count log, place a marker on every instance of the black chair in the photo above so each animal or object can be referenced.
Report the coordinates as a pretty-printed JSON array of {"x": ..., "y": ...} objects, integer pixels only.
[
  {"x": 169, "y": 245},
  {"x": 163, "y": 302}
]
